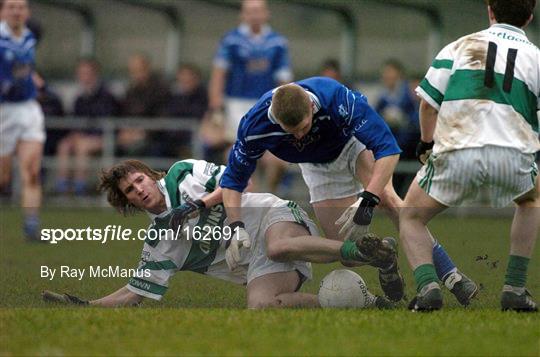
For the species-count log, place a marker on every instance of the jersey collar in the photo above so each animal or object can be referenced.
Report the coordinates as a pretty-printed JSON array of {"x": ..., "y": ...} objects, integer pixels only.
[
  {"x": 161, "y": 186},
  {"x": 510, "y": 28},
  {"x": 313, "y": 98},
  {"x": 5, "y": 31},
  {"x": 245, "y": 30}
]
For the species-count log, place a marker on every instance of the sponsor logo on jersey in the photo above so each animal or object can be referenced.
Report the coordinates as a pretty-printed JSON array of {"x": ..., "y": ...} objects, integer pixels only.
[{"x": 209, "y": 169}]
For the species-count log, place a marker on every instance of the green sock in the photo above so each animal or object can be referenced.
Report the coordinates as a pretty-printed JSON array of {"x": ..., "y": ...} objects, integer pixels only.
[
  {"x": 516, "y": 272},
  {"x": 424, "y": 275},
  {"x": 348, "y": 250}
]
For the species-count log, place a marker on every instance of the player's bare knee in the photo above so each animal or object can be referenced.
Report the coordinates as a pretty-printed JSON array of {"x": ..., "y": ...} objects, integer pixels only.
[
  {"x": 410, "y": 214},
  {"x": 30, "y": 177}
]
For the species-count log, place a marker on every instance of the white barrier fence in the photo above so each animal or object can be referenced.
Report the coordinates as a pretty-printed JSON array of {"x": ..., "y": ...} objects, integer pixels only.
[{"x": 107, "y": 157}]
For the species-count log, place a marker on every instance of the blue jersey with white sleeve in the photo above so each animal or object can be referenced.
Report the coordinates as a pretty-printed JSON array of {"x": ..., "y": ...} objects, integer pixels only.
[
  {"x": 254, "y": 63},
  {"x": 16, "y": 65},
  {"x": 339, "y": 113}
]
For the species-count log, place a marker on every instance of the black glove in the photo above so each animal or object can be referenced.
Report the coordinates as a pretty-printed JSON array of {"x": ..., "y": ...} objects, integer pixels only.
[
  {"x": 51, "y": 296},
  {"x": 364, "y": 213},
  {"x": 180, "y": 214},
  {"x": 423, "y": 150}
]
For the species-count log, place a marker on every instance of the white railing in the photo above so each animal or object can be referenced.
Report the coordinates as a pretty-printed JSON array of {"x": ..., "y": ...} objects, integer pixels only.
[
  {"x": 110, "y": 125},
  {"x": 107, "y": 157}
]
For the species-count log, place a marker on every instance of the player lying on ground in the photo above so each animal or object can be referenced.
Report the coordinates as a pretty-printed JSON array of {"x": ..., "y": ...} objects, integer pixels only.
[{"x": 273, "y": 264}]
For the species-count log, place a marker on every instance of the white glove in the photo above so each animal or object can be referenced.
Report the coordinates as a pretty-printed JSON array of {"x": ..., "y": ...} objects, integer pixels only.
[
  {"x": 356, "y": 219},
  {"x": 239, "y": 241}
]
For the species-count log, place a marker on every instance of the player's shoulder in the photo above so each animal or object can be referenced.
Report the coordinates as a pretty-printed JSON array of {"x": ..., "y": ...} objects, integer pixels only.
[
  {"x": 451, "y": 48},
  {"x": 275, "y": 38},
  {"x": 323, "y": 88},
  {"x": 258, "y": 122},
  {"x": 29, "y": 38},
  {"x": 4, "y": 31},
  {"x": 181, "y": 166},
  {"x": 232, "y": 36},
  {"x": 318, "y": 80}
]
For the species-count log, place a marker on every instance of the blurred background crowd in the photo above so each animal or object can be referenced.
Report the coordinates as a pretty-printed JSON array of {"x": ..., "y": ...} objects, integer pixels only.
[{"x": 142, "y": 87}]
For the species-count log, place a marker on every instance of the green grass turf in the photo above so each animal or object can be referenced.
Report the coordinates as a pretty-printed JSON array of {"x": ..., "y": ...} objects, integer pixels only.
[{"x": 201, "y": 315}]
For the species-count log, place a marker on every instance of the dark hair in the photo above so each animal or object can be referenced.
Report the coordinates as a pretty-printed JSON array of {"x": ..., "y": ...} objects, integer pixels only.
[
  {"x": 193, "y": 68},
  {"x": 331, "y": 63},
  {"x": 512, "y": 12},
  {"x": 394, "y": 63},
  {"x": 290, "y": 104},
  {"x": 110, "y": 179},
  {"x": 92, "y": 62}
]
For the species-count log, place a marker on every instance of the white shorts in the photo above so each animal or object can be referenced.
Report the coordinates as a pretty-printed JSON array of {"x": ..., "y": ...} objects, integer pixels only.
[
  {"x": 336, "y": 179},
  {"x": 260, "y": 211},
  {"x": 20, "y": 121},
  {"x": 490, "y": 175},
  {"x": 235, "y": 109}
]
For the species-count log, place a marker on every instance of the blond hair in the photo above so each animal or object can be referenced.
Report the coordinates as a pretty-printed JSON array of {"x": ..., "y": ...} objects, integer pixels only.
[{"x": 290, "y": 104}]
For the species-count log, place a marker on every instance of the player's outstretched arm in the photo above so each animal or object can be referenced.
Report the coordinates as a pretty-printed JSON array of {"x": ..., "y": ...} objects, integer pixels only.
[
  {"x": 121, "y": 297},
  {"x": 216, "y": 88},
  {"x": 233, "y": 201},
  {"x": 213, "y": 198},
  {"x": 240, "y": 240},
  {"x": 383, "y": 169},
  {"x": 356, "y": 219}
]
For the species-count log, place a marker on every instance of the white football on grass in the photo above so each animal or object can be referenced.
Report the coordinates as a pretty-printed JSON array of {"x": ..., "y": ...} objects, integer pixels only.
[{"x": 344, "y": 288}]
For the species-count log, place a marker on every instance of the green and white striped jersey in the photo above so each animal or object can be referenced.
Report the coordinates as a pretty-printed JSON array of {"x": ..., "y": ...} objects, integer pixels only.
[
  {"x": 162, "y": 257},
  {"x": 486, "y": 87},
  {"x": 186, "y": 180}
]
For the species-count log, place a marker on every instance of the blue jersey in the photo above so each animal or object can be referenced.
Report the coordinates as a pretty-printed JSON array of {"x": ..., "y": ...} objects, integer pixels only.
[
  {"x": 16, "y": 65},
  {"x": 255, "y": 64},
  {"x": 339, "y": 114},
  {"x": 402, "y": 101}
]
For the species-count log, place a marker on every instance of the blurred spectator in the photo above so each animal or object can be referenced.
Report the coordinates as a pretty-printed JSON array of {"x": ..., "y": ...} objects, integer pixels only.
[
  {"x": 399, "y": 108},
  {"x": 51, "y": 105},
  {"x": 146, "y": 96},
  {"x": 50, "y": 102},
  {"x": 189, "y": 97},
  {"x": 94, "y": 101},
  {"x": 331, "y": 68},
  {"x": 189, "y": 100},
  {"x": 250, "y": 60}
]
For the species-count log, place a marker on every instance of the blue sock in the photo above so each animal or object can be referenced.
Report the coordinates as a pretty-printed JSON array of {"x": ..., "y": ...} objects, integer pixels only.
[
  {"x": 31, "y": 225},
  {"x": 443, "y": 263}
]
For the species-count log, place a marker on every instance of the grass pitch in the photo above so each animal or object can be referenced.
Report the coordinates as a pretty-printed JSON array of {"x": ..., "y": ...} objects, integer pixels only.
[{"x": 204, "y": 316}]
